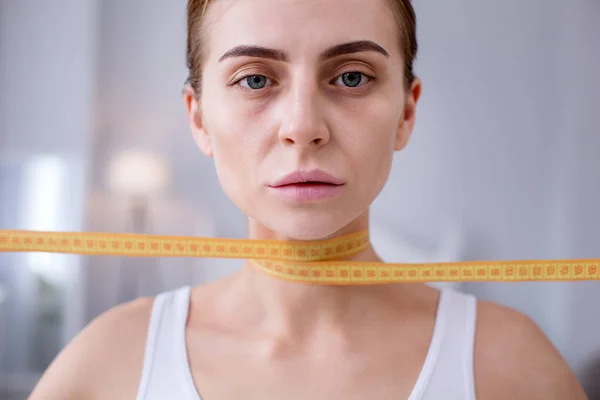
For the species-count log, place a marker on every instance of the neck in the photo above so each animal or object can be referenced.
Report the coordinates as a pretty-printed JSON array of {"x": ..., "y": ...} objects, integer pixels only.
[{"x": 297, "y": 308}]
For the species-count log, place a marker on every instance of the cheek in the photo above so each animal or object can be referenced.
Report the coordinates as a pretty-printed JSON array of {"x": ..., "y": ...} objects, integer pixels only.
[
  {"x": 376, "y": 164},
  {"x": 373, "y": 147},
  {"x": 233, "y": 158},
  {"x": 234, "y": 165},
  {"x": 235, "y": 134},
  {"x": 225, "y": 129},
  {"x": 238, "y": 152}
]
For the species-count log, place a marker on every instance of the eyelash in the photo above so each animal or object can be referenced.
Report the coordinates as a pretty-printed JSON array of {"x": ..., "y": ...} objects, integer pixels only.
[{"x": 370, "y": 78}]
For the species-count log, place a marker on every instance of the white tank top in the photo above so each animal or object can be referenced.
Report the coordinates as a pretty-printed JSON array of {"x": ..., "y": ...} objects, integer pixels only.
[{"x": 447, "y": 372}]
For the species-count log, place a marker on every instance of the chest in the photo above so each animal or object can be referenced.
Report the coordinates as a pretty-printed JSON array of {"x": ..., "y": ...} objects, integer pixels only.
[{"x": 381, "y": 370}]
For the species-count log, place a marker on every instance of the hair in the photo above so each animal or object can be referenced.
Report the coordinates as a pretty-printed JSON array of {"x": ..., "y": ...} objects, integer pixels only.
[{"x": 404, "y": 15}]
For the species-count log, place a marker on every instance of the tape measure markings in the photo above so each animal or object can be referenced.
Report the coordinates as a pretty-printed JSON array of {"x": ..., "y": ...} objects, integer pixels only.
[
  {"x": 315, "y": 262},
  {"x": 169, "y": 246}
]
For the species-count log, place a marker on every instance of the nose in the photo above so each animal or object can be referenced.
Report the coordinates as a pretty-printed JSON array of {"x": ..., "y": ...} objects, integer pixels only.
[{"x": 302, "y": 118}]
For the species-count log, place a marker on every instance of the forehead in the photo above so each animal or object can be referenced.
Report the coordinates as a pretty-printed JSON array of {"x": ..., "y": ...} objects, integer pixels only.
[{"x": 300, "y": 27}]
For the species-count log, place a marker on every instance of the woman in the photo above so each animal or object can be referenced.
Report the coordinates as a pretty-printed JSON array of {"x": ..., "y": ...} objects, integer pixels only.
[{"x": 302, "y": 105}]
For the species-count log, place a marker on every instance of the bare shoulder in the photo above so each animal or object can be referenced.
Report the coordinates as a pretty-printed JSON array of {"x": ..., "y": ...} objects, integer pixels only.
[
  {"x": 104, "y": 361},
  {"x": 514, "y": 359}
]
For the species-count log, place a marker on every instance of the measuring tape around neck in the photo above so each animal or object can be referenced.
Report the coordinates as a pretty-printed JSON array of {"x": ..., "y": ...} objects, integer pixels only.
[{"x": 313, "y": 262}]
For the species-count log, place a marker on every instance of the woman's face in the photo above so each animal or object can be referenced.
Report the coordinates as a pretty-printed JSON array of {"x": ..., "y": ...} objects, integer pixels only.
[{"x": 305, "y": 87}]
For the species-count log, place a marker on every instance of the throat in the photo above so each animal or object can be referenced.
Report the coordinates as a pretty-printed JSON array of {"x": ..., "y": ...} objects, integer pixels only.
[
  {"x": 298, "y": 312},
  {"x": 297, "y": 309}
]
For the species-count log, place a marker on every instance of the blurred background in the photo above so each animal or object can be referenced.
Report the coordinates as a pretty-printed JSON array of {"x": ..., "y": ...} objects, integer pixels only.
[{"x": 504, "y": 162}]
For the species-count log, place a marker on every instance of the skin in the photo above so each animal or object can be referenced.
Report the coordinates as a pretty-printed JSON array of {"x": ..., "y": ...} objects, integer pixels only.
[{"x": 278, "y": 339}]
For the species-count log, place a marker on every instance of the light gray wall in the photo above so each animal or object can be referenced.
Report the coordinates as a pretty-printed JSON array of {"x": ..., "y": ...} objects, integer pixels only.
[{"x": 47, "y": 95}]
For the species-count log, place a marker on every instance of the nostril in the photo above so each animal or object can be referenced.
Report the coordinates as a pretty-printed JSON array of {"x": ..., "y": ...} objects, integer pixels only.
[{"x": 291, "y": 141}]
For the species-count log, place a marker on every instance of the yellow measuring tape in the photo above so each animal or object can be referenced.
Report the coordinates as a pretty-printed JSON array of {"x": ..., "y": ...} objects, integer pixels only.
[{"x": 316, "y": 262}]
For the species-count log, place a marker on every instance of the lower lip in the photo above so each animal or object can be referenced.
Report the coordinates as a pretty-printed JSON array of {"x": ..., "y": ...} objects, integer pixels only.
[{"x": 307, "y": 192}]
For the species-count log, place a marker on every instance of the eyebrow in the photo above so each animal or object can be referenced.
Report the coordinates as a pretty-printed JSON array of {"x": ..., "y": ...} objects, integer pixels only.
[{"x": 279, "y": 55}]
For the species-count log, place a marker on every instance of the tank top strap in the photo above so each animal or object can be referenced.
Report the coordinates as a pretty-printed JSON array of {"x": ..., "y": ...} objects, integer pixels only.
[
  {"x": 165, "y": 369},
  {"x": 451, "y": 375}
]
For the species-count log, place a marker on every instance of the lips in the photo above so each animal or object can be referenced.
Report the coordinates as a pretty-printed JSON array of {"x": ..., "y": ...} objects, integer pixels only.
[
  {"x": 307, "y": 186},
  {"x": 308, "y": 178}
]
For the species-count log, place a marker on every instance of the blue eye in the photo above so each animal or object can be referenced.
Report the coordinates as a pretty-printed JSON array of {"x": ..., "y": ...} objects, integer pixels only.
[
  {"x": 254, "y": 82},
  {"x": 350, "y": 79},
  {"x": 353, "y": 79}
]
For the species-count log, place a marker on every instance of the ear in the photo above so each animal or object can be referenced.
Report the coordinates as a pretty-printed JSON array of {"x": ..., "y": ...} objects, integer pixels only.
[
  {"x": 199, "y": 131},
  {"x": 407, "y": 123}
]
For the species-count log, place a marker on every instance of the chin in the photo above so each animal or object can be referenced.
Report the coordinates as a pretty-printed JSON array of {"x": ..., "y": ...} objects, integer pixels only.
[{"x": 308, "y": 225}]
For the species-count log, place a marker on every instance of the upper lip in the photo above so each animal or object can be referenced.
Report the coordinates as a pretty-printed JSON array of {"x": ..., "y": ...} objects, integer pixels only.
[{"x": 316, "y": 176}]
